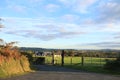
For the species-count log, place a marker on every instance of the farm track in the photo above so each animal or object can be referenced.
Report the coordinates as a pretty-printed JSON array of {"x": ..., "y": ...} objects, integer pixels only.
[{"x": 46, "y": 72}]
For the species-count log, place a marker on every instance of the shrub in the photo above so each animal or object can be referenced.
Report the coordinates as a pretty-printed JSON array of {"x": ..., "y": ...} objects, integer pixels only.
[
  {"x": 12, "y": 61},
  {"x": 11, "y": 66},
  {"x": 113, "y": 65},
  {"x": 39, "y": 60},
  {"x": 28, "y": 55},
  {"x": 25, "y": 63}
]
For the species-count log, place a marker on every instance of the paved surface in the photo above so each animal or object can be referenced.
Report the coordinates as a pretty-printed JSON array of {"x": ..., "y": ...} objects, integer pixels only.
[{"x": 59, "y": 73}]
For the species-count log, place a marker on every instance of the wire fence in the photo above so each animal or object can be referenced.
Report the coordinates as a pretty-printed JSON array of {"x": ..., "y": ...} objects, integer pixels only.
[{"x": 73, "y": 60}]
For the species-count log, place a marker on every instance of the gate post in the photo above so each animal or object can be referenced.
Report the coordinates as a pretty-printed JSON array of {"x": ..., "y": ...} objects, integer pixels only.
[
  {"x": 62, "y": 58},
  {"x": 82, "y": 60},
  {"x": 52, "y": 58}
]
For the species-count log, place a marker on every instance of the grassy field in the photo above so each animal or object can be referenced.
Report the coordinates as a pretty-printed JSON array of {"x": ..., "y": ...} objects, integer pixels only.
[
  {"x": 91, "y": 61},
  {"x": 91, "y": 64}
]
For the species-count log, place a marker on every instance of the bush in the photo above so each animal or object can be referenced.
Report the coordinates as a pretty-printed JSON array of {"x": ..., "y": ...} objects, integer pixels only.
[
  {"x": 25, "y": 63},
  {"x": 39, "y": 60},
  {"x": 113, "y": 65},
  {"x": 10, "y": 66},
  {"x": 28, "y": 55},
  {"x": 12, "y": 61}
]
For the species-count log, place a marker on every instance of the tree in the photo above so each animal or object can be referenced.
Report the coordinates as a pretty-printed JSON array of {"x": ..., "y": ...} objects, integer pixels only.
[
  {"x": 1, "y": 26},
  {"x": 11, "y": 60},
  {"x": 8, "y": 50}
]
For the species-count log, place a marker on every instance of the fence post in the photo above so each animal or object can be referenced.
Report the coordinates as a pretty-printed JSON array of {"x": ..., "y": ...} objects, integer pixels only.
[
  {"x": 62, "y": 58},
  {"x": 82, "y": 60},
  {"x": 71, "y": 60},
  {"x": 52, "y": 58},
  {"x": 100, "y": 60},
  {"x": 91, "y": 57}
]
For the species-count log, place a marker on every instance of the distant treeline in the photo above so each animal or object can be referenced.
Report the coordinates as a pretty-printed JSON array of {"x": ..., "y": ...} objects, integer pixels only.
[
  {"x": 40, "y": 49},
  {"x": 73, "y": 52}
]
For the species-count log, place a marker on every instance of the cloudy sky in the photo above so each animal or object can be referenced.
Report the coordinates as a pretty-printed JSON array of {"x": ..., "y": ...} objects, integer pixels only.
[{"x": 77, "y": 24}]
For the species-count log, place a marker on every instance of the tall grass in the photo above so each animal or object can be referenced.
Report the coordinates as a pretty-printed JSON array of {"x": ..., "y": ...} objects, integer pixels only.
[
  {"x": 10, "y": 66},
  {"x": 12, "y": 62}
]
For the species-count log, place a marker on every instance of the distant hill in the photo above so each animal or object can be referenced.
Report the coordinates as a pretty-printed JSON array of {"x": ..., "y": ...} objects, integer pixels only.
[
  {"x": 48, "y": 49},
  {"x": 39, "y": 49}
]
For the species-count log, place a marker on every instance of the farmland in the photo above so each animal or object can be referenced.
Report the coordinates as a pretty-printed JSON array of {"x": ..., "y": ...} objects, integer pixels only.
[
  {"x": 93, "y": 61},
  {"x": 92, "y": 64}
]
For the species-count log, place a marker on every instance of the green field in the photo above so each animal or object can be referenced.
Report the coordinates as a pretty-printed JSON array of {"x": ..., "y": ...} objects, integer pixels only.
[
  {"x": 91, "y": 64},
  {"x": 91, "y": 61}
]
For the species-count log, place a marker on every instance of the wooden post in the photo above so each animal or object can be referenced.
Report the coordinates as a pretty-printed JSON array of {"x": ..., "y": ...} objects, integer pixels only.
[
  {"x": 100, "y": 60},
  {"x": 52, "y": 58},
  {"x": 62, "y": 58},
  {"x": 91, "y": 60},
  {"x": 91, "y": 57},
  {"x": 71, "y": 59},
  {"x": 82, "y": 60}
]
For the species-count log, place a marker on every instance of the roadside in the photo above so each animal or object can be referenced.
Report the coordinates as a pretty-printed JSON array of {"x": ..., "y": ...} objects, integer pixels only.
[{"x": 47, "y": 72}]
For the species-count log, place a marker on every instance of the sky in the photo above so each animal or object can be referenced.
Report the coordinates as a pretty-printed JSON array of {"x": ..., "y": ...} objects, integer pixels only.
[{"x": 69, "y": 24}]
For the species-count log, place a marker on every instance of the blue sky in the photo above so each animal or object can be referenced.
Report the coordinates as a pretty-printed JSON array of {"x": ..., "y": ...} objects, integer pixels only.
[{"x": 76, "y": 24}]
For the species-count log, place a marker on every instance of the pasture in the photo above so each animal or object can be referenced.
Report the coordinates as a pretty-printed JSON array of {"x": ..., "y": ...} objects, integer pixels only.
[
  {"x": 92, "y": 64},
  {"x": 91, "y": 61}
]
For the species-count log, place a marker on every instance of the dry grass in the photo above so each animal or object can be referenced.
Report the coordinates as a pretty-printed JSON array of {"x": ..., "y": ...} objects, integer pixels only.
[{"x": 11, "y": 61}]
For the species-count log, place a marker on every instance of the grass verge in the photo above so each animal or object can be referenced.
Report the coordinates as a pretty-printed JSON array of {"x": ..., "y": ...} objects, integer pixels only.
[{"x": 89, "y": 68}]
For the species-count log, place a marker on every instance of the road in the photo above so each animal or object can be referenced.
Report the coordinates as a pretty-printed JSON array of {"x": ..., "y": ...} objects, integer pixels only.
[{"x": 46, "y": 72}]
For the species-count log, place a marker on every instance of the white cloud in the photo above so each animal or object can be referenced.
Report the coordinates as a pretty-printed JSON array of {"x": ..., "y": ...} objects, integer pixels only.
[
  {"x": 117, "y": 35},
  {"x": 70, "y": 17},
  {"x": 110, "y": 27},
  {"x": 97, "y": 45},
  {"x": 35, "y": 1},
  {"x": 109, "y": 11},
  {"x": 83, "y": 5},
  {"x": 17, "y": 8},
  {"x": 78, "y": 5},
  {"x": 68, "y": 2},
  {"x": 39, "y": 34},
  {"x": 49, "y": 27},
  {"x": 41, "y": 29},
  {"x": 52, "y": 7},
  {"x": 106, "y": 44},
  {"x": 108, "y": 19}
]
